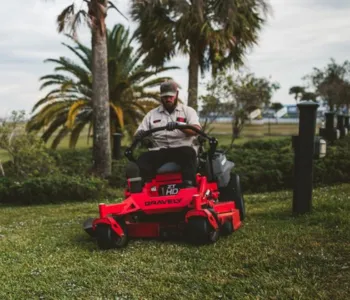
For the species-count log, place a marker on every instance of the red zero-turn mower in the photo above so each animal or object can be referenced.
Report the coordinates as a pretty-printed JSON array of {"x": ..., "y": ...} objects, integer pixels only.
[{"x": 163, "y": 208}]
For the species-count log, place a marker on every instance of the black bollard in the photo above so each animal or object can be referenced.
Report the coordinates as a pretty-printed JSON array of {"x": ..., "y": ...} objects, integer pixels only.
[
  {"x": 303, "y": 157},
  {"x": 347, "y": 122},
  {"x": 329, "y": 121},
  {"x": 340, "y": 125},
  {"x": 117, "y": 153},
  {"x": 330, "y": 133}
]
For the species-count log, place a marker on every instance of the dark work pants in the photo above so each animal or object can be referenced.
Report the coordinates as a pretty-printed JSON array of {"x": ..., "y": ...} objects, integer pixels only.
[{"x": 185, "y": 157}]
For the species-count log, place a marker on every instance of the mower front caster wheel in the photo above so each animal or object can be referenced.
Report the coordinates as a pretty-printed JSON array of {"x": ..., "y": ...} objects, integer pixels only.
[
  {"x": 199, "y": 231},
  {"x": 108, "y": 239}
]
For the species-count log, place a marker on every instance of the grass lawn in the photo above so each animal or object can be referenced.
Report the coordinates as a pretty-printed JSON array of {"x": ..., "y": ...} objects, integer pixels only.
[
  {"x": 257, "y": 130},
  {"x": 222, "y": 131},
  {"x": 44, "y": 254}
]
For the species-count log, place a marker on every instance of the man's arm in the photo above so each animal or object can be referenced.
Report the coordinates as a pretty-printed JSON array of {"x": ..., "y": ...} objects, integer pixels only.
[
  {"x": 190, "y": 132},
  {"x": 193, "y": 120}
]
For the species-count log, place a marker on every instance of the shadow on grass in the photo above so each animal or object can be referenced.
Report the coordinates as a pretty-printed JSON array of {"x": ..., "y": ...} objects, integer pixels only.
[{"x": 89, "y": 242}]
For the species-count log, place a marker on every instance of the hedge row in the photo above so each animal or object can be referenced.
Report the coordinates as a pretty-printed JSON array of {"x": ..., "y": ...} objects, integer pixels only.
[
  {"x": 262, "y": 165},
  {"x": 52, "y": 189}
]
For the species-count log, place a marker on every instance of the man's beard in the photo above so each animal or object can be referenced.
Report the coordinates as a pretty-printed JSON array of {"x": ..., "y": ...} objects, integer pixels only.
[{"x": 170, "y": 107}]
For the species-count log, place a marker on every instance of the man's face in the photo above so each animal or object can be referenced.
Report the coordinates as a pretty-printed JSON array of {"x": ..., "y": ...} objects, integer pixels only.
[{"x": 169, "y": 102}]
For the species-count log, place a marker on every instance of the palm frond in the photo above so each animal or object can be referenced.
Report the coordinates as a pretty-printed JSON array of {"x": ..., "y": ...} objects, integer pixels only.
[
  {"x": 111, "y": 5},
  {"x": 73, "y": 112},
  {"x": 61, "y": 134},
  {"x": 70, "y": 88},
  {"x": 79, "y": 126},
  {"x": 64, "y": 16},
  {"x": 119, "y": 113},
  {"x": 55, "y": 124}
]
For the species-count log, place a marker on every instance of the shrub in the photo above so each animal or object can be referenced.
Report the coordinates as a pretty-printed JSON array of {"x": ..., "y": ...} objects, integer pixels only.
[
  {"x": 72, "y": 161},
  {"x": 52, "y": 189},
  {"x": 269, "y": 165},
  {"x": 267, "y": 144},
  {"x": 28, "y": 154},
  {"x": 262, "y": 165},
  {"x": 263, "y": 170},
  {"x": 335, "y": 166}
]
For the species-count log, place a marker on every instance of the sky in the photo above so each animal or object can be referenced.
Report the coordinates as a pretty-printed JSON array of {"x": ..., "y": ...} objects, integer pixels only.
[{"x": 300, "y": 35}]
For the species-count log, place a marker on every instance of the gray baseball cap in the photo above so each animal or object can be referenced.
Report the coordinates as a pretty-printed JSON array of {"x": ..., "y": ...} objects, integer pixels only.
[{"x": 168, "y": 88}]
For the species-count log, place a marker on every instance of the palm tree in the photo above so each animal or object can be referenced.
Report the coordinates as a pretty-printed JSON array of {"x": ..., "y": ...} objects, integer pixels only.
[
  {"x": 215, "y": 34},
  {"x": 94, "y": 15},
  {"x": 68, "y": 106},
  {"x": 298, "y": 92}
]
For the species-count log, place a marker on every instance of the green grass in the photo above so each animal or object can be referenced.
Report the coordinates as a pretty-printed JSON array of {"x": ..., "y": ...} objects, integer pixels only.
[
  {"x": 257, "y": 130},
  {"x": 225, "y": 139},
  {"x": 221, "y": 130},
  {"x": 44, "y": 254}
]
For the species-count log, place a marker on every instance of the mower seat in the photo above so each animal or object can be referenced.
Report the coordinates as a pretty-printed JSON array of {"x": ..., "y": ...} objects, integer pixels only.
[{"x": 169, "y": 167}]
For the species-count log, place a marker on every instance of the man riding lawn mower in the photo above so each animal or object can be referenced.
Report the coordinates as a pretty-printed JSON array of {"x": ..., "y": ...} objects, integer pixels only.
[{"x": 174, "y": 189}]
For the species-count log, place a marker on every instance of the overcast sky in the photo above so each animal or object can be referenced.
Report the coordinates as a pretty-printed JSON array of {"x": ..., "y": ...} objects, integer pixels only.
[{"x": 300, "y": 35}]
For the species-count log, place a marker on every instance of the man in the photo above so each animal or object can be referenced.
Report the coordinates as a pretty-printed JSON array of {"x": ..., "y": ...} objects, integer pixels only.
[{"x": 172, "y": 144}]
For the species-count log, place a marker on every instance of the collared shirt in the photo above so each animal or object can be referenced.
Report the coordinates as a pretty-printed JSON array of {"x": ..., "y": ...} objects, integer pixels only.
[{"x": 159, "y": 117}]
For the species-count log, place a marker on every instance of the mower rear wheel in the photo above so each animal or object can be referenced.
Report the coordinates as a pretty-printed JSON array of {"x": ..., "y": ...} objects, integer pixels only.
[
  {"x": 108, "y": 239},
  {"x": 199, "y": 231},
  {"x": 233, "y": 192}
]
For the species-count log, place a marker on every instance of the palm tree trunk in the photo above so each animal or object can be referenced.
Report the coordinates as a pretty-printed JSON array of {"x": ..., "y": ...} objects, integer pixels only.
[
  {"x": 193, "y": 77},
  {"x": 100, "y": 104}
]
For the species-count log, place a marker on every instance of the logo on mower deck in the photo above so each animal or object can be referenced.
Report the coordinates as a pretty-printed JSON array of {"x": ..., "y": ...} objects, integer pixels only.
[
  {"x": 171, "y": 190},
  {"x": 163, "y": 202}
]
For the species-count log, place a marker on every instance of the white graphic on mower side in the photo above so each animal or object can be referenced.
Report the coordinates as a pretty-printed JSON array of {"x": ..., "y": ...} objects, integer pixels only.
[
  {"x": 169, "y": 189},
  {"x": 172, "y": 190}
]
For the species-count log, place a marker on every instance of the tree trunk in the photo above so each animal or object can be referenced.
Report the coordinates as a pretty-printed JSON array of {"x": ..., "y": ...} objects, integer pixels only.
[
  {"x": 100, "y": 104},
  {"x": 193, "y": 70}
]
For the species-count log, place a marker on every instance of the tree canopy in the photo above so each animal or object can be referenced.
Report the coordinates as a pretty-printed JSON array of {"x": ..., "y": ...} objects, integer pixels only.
[
  {"x": 238, "y": 95},
  {"x": 67, "y": 107},
  {"x": 215, "y": 33},
  {"x": 331, "y": 83}
]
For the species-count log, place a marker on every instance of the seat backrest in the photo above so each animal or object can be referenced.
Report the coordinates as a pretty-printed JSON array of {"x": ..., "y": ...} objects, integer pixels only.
[{"x": 169, "y": 167}]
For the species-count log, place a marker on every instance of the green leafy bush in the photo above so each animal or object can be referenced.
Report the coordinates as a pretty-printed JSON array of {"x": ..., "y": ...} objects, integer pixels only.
[
  {"x": 335, "y": 166},
  {"x": 267, "y": 144},
  {"x": 72, "y": 161},
  {"x": 28, "y": 154},
  {"x": 118, "y": 178},
  {"x": 269, "y": 165},
  {"x": 262, "y": 165},
  {"x": 263, "y": 170},
  {"x": 52, "y": 189}
]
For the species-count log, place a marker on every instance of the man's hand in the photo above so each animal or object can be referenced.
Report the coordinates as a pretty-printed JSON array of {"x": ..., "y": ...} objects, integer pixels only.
[
  {"x": 140, "y": 134},
  {"x": 171, "y": 126}
]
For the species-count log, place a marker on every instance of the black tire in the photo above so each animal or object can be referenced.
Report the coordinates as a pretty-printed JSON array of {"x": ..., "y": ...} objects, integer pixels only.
[
  {"x": 227, "y": 228},
  {"x": 108, "y": 239},
  {"x": 87, "y": 226},
  {"x": 199, "y": 231},
  {"x": 233, "y": 192}
]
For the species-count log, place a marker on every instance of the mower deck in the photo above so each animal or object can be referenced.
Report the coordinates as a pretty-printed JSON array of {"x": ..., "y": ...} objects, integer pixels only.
[{"x": 164, "y": 210}]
